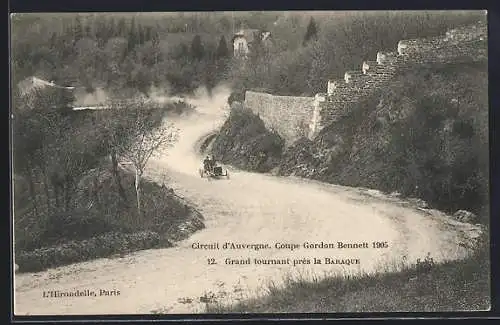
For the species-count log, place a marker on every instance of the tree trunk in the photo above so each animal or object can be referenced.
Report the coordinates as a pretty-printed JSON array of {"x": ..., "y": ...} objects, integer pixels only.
[{"x": 138, "y": 174}]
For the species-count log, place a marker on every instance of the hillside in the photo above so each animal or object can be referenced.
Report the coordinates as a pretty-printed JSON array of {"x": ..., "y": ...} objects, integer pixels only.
[{"x": 424, "y": 135}]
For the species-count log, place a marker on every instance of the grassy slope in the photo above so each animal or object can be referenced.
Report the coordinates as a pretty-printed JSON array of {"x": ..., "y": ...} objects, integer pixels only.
[
  {"x": 110, "y": 226},
  {"x": 421, "y": 287}
]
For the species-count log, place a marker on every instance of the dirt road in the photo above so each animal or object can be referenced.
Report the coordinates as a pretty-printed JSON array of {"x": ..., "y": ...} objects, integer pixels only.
[{"x": 246, "y": 209}]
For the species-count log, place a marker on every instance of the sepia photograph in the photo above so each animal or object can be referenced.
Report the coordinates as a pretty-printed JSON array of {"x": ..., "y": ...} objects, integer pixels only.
[{"x": 249, "y": 162}]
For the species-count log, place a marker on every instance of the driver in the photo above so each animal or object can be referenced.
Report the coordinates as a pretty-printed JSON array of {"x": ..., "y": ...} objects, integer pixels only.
[{"x": 206, "y": 163}]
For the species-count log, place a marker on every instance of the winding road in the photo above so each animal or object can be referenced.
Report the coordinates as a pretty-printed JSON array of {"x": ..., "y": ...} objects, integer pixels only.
[{"x": 248, "y": 208}]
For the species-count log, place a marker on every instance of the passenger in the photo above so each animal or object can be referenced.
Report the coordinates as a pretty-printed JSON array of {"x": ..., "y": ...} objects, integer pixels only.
[
  {"x": 212, "y": 163},
  {"x": 206, "y": 163}
]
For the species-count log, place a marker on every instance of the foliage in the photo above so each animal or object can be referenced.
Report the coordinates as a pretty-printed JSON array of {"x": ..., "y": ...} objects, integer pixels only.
[
  {"x": 312, "y": 32},
  {"x": 183, "y": 50},
  {"x": 222, "y": 49},
  {"x": 197, "y": 49},
  {"x": 343, "y": 42}
]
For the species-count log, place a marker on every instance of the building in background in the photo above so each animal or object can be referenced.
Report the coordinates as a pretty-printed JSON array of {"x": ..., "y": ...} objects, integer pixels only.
[{"x": 245, "y": 39}]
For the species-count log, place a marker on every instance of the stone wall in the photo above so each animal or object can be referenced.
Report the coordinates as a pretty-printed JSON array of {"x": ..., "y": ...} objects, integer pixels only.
[
  {"x": 290, "y": 116},
  {"x": 293, "y": 117},
  {"x": 467, "y": 44}
]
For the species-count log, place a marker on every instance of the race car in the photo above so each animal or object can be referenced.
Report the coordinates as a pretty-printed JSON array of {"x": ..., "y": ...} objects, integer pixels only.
[{"x": 212, "y": 169}]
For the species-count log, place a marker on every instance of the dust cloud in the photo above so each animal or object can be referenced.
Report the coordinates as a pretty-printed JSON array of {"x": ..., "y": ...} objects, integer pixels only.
[{"x": 98, "y": 97}]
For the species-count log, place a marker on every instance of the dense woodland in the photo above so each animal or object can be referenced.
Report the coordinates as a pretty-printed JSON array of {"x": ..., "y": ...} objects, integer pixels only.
[{"x": 182, "y": 51}]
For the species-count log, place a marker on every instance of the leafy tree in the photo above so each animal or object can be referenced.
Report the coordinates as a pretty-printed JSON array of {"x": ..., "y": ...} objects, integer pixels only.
[
  {"x": 77, "y": 29},
  {"x": 53, "y": 41},
  {"x": 87, "y": 31},
  {"x": 319, "y": 68},
  {"x": 121, "y": 27},
  {"x": 112, "y": 30},
  {"x": 148, "y": 34},
  {"x": 256, "y": 49},
  {"x": 132, "y": 36},
  {"x": 155, "y": 39},
  {"x": 312, "y": 31},
  {"x": 224, "y": 24},
  {"x": 141, "y": 34},
  {"x": 222, "y": 50},
  {"x": 100, "y": 32},
  {"x": 197, "y": 48}
]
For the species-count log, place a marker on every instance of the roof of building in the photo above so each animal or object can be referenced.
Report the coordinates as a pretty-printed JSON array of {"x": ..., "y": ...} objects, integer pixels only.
[
  {"x": 33, "y": 83},
  {"x": 248, "y": 34}
]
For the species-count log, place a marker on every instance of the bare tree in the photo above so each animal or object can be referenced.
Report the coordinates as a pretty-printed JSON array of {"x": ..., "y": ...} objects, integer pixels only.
[{"x": 145, "y": 135}]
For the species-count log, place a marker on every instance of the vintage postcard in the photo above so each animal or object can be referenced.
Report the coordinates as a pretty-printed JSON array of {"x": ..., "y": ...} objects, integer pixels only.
[{"x": 250, "y": 162}]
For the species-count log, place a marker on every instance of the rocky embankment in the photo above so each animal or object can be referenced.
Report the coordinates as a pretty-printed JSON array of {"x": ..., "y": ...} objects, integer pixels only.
[
  {"x": 245, "y": 143},
  {"x": 424, "y": 136}
]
